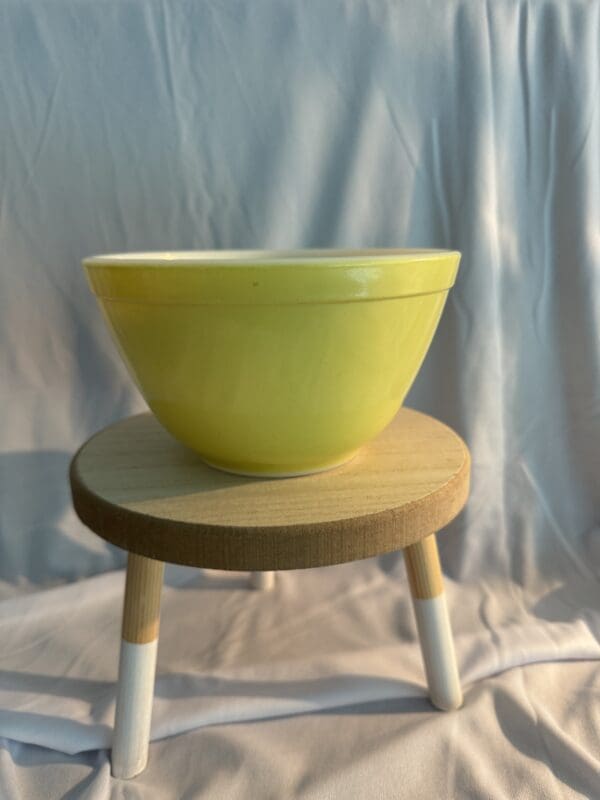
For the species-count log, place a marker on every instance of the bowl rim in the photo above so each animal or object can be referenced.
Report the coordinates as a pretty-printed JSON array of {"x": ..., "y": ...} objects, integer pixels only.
[{"x": 343, "y": 257}]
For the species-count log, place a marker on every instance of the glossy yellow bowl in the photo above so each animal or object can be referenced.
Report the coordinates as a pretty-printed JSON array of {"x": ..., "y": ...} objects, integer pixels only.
[{"x": 274, "y": 362}]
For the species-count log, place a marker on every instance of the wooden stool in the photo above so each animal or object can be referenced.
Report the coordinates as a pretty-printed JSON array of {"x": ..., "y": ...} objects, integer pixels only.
[{"x": 137, "y": 487}]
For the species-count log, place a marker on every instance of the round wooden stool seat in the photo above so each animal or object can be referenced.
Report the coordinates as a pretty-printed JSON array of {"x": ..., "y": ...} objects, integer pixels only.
[{"x": 137, "y": 487}]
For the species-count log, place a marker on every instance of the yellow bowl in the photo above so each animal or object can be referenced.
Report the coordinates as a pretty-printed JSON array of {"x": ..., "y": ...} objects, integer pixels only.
[{"x": 274, "y": 363}]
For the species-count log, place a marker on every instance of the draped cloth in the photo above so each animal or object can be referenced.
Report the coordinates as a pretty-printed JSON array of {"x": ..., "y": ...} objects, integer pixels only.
[{"x": 179, "y": 125}]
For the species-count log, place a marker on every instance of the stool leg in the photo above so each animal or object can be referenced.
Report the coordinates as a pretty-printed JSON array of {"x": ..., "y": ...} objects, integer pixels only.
[
  {"x": 137, "y": 665},
  {"x": 433, "y": 624},
  {"x": 262, "y": 580}
]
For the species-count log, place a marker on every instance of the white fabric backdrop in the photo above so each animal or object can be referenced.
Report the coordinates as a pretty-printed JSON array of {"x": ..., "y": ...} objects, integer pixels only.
[{"x": 161, "y": 125}]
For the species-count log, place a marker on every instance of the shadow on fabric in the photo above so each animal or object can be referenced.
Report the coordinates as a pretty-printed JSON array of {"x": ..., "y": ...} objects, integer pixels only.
[{"x": 41, "y": 540}]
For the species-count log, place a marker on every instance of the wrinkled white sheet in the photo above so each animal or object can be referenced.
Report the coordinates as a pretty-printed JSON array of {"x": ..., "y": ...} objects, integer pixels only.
[
  {"x": 314, "y": 690},
  {"x": 471, "y": 125}
]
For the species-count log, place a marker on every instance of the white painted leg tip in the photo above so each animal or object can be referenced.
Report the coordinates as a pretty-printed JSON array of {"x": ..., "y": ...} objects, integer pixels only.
[
  {"x": 447, "y": 703},
  {"x": 263, "y": 581},
  {"x": 133, "y": 713},
  {"x": 126, "y": 772},
  {"x": 437, "y": 647}
]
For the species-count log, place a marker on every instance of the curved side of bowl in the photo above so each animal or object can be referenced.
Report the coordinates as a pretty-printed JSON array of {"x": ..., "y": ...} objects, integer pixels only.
[{"x": 272, "y": 389}]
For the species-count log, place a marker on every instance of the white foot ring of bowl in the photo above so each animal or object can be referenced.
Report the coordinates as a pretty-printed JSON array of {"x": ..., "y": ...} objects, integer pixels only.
[{"x": 281, "y": 474}]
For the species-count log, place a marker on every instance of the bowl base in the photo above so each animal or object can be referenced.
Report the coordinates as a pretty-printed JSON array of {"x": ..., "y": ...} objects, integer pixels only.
[{"x": 248, "y": 473}]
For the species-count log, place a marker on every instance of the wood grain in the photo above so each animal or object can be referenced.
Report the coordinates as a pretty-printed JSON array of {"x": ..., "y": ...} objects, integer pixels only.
[
  {"x": 423, "y": 568},
  {"x": 137, "y": 487},
  {"x": 141, "y": 609}
]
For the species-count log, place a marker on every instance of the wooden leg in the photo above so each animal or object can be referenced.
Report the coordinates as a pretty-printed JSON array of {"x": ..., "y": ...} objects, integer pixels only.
[
  {"x": 137, "y": 666},
  {"x": 433, "y": 624},
  {"x": 262, "y": 580}
]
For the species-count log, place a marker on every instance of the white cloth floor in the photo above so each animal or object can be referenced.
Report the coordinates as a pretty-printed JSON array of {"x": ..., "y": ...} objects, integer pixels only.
[{"x": 332, "y": 654}]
